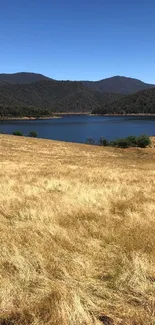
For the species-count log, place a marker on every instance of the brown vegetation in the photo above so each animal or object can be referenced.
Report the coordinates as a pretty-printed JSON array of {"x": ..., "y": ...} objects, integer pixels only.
[{"x": 77, "y": 234}]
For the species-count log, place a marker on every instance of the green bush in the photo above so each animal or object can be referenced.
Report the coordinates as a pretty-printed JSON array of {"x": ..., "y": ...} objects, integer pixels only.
[
  {"x": 104, "y": 142},
  {"x": 33, "y": 134},
  {"x": 143, "y": 141},
  {"x": 120, "y": 143},
  {"x": 18, "y": 133},
  {"x": 132, "y": 140}
]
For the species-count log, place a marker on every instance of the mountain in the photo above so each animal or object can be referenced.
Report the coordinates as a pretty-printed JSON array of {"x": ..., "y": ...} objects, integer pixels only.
[
  {"x": 22, "y": 77},
  {"x": 31, "y": 94},
  {"x": 45, "y": 97},
  {"x": 118, "y": 84},
  {"x": 142, "y": 102}
]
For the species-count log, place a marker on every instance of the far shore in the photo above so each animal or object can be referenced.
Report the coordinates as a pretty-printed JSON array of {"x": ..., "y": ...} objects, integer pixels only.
[
  {"x": 60, "y": 115},
  {"x": 138, "y": 114},
  {"x": 28, "y": 118},
  {"x": 56, "y": 115}
]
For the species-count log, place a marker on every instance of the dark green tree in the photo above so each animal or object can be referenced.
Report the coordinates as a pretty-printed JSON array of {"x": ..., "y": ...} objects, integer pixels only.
[
  {"x": 33, "y": 134},
  {"x": 18, "y": 133}
]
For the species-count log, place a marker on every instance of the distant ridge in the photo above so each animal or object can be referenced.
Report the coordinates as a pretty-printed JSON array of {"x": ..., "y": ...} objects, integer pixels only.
[
  {"x": 118, "y": 84},
  {"x": 22, "y": 77}
]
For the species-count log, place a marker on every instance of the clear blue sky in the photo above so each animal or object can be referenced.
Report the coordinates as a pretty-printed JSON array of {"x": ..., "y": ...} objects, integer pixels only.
[{"x": 78, "y": 39}]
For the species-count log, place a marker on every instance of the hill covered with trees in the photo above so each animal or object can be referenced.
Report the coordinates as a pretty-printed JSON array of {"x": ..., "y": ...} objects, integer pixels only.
[
  {"x": 46, "y": 97},
  {"x": 22, "y": 77},
  {"x": 31, "y": 94},
  {"x": 118, "y": 84},
  {"x": 142, "y": 102}
]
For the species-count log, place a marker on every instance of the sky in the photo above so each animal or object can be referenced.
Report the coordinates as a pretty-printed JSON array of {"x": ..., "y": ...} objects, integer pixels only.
[{"x": 78, "y": 39}]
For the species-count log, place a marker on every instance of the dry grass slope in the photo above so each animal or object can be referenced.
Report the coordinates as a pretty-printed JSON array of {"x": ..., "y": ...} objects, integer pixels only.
[{"x": 77, "y": 234}]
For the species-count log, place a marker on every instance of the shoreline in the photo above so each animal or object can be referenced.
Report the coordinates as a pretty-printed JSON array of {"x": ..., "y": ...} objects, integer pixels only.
[
  {"x": 60, "y": 115},
  {"x": 136, "y": 114},
  {"x": 56, "y": 115},
  {"x": 28, "y": 118}
]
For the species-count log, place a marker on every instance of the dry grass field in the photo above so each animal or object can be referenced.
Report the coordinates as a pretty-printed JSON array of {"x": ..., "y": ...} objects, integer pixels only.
[{"x": 77, "y": 234}]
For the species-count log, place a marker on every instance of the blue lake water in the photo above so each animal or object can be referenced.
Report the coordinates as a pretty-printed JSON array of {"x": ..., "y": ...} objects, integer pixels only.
[{"x": 79, "y": 128}]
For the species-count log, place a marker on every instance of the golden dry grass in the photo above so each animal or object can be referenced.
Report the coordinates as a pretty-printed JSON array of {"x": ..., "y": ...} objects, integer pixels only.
[{"x": 77, "y": 234}]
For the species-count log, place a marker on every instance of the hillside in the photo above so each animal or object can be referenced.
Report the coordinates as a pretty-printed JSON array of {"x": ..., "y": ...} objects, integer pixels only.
[
  {"x": 77, "y": 234},
  {"x": 142, "y": 102},
  {"x": 46, "y": 97},
  {"x": 22, "y": 77},
  {"x": 3, "y": 83},
  {"x": 31, "y": 94},
  {"x": 118, "y": 84}
]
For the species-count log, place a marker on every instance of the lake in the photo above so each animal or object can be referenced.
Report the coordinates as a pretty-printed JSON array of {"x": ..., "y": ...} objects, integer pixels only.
[{"x": 78, "y": 128}]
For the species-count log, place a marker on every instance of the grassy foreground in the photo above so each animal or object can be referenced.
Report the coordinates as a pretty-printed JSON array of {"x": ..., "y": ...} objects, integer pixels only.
[{"x": 77, "y": 234}]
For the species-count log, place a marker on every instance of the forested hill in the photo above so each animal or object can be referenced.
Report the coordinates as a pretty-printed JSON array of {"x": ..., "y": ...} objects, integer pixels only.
[
  {"x": 22, "y": 77},
  {"x": 3, "y": 83},
  {"x": 46, "y": 97},
  {"x": 142, "y": 102},
  {"x": 118, "y": 84},
  {"x": 31, "y": 94}
]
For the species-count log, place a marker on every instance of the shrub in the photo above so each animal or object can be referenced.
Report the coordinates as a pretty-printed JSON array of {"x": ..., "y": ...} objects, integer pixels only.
[
  {"x": 33, "y": 134},
  {"x": 143, "y": 141},
  {"x": 132, "y": 140},
  {"x": 90, "y": 141},
  {"x": 18, "y": 133},
  {"x": 104, "y": 142},
  {"x": 121, "y": 143}
]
